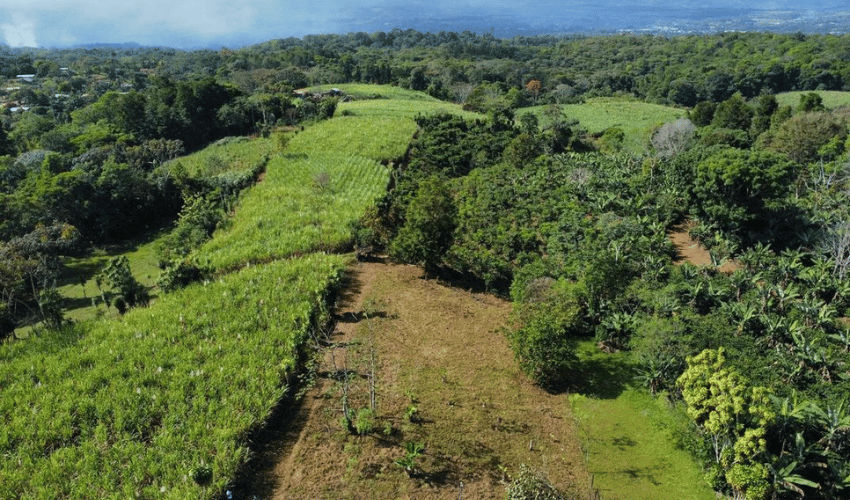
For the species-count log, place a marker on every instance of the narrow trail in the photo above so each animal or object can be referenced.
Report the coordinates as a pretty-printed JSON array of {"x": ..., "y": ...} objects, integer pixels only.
[{"x": 439, "y": 350}]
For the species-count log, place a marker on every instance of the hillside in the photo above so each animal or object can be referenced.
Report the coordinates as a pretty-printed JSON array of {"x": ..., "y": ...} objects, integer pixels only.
[
  {"x": 533, "y": 306},
  {"x": 440, "y": 351}
]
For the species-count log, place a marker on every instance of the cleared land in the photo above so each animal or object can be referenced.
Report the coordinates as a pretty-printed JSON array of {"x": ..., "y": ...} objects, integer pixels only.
[
  {"x": 831, "y": 98},
  {"x": 637, "y": 119},
  {"x": 439, "y": 350}
]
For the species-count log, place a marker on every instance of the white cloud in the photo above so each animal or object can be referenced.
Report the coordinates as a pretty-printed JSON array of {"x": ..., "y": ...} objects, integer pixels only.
[{"x": 19, "y": 33}]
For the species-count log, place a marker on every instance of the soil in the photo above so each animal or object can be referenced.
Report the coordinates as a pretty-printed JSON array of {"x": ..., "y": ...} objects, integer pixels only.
[
  {"x": 691, "y": 250},
  {"x": 445, "y": 377}
]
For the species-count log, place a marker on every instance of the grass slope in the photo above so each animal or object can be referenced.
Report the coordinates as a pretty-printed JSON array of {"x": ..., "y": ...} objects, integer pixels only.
[
  {"x": 231, "y": 154},
  {"x": 630, "y": 437},
  {"x": 325, "y": 179},
  {"x": 637, "y": 119},
  {"x": 123, "y": 409}
]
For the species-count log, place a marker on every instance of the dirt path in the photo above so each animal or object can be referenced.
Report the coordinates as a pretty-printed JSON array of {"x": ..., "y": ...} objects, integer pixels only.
[{"x": 439, "y": 351}]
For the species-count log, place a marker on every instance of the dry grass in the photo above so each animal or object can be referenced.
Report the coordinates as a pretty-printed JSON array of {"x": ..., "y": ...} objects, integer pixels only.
[{"x": 438, "y": 349}]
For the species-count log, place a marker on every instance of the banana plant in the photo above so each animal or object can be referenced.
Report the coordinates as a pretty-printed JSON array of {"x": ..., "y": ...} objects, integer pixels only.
[
  {"x": 758, "y": 257},
  {"x": 786, "y": 477},
  {"x": 742, "y": 314},
  {"x": 842, "y": 336},
  {"x": 832, "y": 420},
  {"x": 785, "y": 294}
]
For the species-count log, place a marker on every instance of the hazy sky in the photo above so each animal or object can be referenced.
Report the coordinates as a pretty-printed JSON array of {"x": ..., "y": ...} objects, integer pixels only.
[{"x": 216, "y": 23}]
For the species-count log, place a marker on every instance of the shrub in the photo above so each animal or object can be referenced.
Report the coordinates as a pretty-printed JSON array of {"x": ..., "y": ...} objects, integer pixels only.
[
  {"x": 129, "y": 291},
  {"x": 551, "y": 316},
  {"x": 178, "y": 274},
  {"x": 364, "y": 423}
]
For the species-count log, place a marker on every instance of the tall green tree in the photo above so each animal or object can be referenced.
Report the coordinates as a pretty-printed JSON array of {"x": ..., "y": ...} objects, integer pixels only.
[
  {"x": 430, "y": 221},
  {"x": 735, "y": 416}
]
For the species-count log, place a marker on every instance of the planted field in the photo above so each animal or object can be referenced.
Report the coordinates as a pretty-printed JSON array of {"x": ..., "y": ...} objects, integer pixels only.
[
  {"x": 305, "y": 204},
  {"x": 368, "y": 91},
  {"x": 232, "y": 154},
  {"x": 407, "y": 109},
  {"x": 326, "y": 178},
  {"x": 159, "y": 404},
  {"x": 831, "y": 98},
  {"x": 637, "y": 119},
  {"x": 378, "y": 137}
]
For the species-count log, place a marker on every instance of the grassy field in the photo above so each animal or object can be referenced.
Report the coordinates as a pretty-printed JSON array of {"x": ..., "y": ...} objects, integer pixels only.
[
  {"x": 323, "y": 180},
  {"x": 831, "y": 98},
  {"x": 303, "y": 205},
  {"x": 637, "y": 119},
  {"x": 362, "y": 91},
  {"x": 629, "y": 436}
]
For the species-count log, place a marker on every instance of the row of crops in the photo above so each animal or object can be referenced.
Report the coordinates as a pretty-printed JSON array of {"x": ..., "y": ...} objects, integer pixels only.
[{"x": 160, "y": 403}]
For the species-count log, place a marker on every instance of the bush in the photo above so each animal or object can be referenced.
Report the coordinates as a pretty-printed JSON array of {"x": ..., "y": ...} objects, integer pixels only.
[
  {"x": 176, "y": 275},
  {"x": 365, "y": 421},
  {"x": 118, "y": 276},
  {"x": 552, "y": 315}
]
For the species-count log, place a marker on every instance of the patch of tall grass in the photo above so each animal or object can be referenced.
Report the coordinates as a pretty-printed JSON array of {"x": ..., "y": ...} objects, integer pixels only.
[
  {"x": 137, "y": 408},
  {"x": 305, "y": 204}
]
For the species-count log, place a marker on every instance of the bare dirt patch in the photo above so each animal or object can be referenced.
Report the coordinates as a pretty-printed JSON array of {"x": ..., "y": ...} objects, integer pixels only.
[
  {"x": 691, "y": 250},
  {"x": 442, "y": 359}
]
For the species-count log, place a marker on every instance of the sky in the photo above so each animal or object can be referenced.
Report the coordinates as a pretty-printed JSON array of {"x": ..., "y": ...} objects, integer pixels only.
[{"x": 234, "y": 23}]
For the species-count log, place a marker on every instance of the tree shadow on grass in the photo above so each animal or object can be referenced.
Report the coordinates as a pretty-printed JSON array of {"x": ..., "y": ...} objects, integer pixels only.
[
  {"x": 603, "y": 376},
  {"x": 633, "y": 473}
]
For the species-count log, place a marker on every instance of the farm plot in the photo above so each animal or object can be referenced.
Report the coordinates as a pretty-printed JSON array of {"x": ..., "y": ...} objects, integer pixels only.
[
  {"x": 304, "y": 205},
  {"x": 159, "y": 404}
]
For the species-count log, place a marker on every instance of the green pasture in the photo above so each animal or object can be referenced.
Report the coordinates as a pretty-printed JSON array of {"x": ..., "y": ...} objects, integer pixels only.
[
  {"x": 134, "y": 408},
  {"x": 831, "y": 98},
  {"x": 629, "y": 436},
  {"x": 637, "y": 119}
]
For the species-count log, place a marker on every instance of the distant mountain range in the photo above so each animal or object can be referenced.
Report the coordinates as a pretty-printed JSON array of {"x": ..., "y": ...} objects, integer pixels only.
[
  {"x": 502, "y": 19},
  {"x": 612, "y": 17}
]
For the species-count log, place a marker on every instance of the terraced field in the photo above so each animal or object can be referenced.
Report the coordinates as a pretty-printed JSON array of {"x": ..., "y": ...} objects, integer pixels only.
[{"x": 160, "y": 402}]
